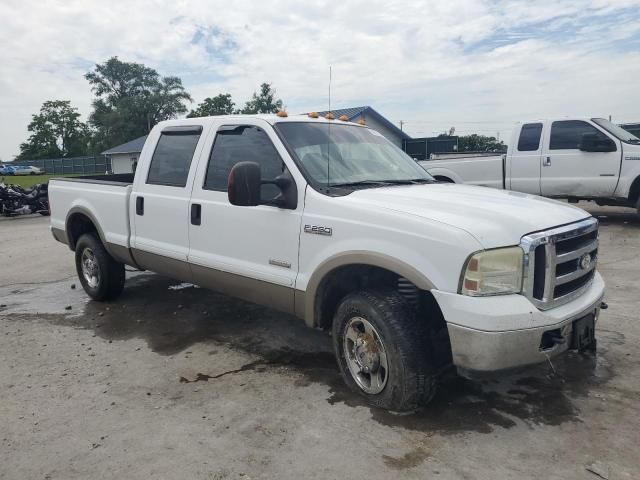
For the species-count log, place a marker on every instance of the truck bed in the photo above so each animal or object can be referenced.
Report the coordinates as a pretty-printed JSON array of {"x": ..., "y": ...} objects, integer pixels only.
[
  {"x": 115, "y": 179},
  {"x": 104, "y": 199},
  {"x": 487, "y": 171}
]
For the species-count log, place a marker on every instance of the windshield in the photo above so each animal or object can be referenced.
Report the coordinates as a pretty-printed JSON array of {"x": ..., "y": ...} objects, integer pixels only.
[
  {"x": 617, "y": 131},
  {"x": 348, "y": 155}
]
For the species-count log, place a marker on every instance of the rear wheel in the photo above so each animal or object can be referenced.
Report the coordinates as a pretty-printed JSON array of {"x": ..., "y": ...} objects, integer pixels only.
[
  {"x": 380, "y": 347},
  {"x": 100, "y": 275}
]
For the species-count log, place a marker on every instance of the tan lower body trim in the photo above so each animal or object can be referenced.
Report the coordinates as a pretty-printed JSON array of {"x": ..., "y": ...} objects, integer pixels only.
[{"x": 249, "y": 289}]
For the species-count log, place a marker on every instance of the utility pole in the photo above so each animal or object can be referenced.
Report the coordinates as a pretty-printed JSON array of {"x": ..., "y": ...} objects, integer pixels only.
[{"x": 401, "y": 125}]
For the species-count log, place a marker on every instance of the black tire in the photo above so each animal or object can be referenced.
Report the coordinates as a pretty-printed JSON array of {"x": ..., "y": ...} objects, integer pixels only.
[
  {"x": 410, "y": 380},
  {"x": 109, "y": 282}
]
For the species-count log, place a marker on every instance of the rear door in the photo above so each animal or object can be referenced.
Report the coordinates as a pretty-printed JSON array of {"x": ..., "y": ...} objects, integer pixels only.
[
  {"x": 524, "y": 161},
  {"x": 567, "y": 171},
  {"x": 248, "y": 252},
  {"x": 160, "y": 202}
]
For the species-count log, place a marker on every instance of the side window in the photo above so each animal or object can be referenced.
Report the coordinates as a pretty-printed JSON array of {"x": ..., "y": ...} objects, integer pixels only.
[
  {"x": 567, "y": 134},
  {"x": 172, "y": 158},
  {"x": 530, "y": 137},
  {"x": 243, "y": 143}
]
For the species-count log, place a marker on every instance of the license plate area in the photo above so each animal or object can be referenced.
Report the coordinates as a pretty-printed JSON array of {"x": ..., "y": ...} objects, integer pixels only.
[{"x": 583, "y": 333}]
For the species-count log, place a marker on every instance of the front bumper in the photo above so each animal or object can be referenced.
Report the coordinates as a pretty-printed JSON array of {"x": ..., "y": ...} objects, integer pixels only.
[{"x": 503, "y": 332}]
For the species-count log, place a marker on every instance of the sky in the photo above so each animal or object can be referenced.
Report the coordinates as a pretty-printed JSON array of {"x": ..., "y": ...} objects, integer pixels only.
[{"x": 476, "y": 65}]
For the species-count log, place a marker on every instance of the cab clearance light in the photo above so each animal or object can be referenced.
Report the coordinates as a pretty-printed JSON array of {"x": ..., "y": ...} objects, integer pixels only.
[
  {"x": 362, "y": 122},
  {"x": 282, "y": 113},
  {"x": 330, "y": 116},
  {"x": 343, "y": 118},
  {"x": 313, "y": 115}
]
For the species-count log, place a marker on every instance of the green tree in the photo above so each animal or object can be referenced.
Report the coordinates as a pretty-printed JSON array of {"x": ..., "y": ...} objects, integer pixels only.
[
  {"x": 219, "y": 105},
  {"x": 55, "y": 132},
  {"x": 263, "y": 102},
  {"x": 130, "y": 99},
  {"x": 480, "y": 143}
]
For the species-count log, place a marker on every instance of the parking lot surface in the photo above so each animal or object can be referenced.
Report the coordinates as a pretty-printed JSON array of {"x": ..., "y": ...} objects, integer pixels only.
[{"x": 173, "y": 381}]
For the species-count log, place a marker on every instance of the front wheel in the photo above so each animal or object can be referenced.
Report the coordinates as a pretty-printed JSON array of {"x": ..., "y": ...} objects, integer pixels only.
[
  {"x": 380, "y": 346},
  {"x": 100, "y": 275}
]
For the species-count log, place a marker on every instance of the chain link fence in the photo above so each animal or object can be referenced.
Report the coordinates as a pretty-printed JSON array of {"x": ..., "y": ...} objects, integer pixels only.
[{"x": 97, "y": 164}]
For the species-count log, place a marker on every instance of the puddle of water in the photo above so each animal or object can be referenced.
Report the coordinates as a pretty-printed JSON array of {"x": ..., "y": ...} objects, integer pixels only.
[{"x": 171, "y": 320}]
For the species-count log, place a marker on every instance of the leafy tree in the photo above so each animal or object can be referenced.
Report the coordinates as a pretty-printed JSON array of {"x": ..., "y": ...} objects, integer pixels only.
[
  {"x": 263, "y": 102},
  {"x": 480, "y": 143},
  {"x": 55, "y": 132},
  {"x": 219, "y": 105},
  {"x": 130, "y": 99}
]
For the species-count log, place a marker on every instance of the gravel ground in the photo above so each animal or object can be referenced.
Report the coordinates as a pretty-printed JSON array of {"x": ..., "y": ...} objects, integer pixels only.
[{"x": 173, "y": 381}]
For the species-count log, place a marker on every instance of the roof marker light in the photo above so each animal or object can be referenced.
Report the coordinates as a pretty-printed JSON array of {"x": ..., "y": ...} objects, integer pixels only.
[
  {"x": 343, "y": 118},
  {"x": 313, "y": 115},
  {"x": 282, "y": 113},
  {"x": 362, "y": 122},
  {"x": 330, "y": 116}
]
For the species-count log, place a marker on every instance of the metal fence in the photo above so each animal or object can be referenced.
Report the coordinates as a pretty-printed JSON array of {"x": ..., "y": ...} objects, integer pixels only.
[{"x": 97, "y": 164}]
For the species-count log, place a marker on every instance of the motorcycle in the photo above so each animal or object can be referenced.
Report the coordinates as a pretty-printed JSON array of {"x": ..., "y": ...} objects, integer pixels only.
[{"x": 15, "y": 200}]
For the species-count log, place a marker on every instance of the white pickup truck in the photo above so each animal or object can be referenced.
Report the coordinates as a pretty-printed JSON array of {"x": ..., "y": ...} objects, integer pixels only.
[
  {"x": 575, "y": 159},
  {"x": 329, "y": 221}
]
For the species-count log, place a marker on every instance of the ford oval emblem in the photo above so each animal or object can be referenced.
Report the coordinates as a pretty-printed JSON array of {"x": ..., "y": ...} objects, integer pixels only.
[{"x": 585, "y": 261}]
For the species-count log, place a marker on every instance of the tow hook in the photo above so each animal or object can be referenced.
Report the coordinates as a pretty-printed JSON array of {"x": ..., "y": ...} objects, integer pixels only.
[{"x": 604, "y": 306}]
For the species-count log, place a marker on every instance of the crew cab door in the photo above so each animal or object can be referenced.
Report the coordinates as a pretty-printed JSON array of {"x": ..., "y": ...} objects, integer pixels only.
[
  {"x": 524, "y": 166},
  {"x": 568, "y": 171},
  {"x": 160, "y": 201},
  {"x": 248, "y": 252}
]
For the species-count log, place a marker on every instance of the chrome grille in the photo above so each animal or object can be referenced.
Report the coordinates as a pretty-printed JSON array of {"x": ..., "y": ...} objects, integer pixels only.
[{"x": 560, "y": 263}]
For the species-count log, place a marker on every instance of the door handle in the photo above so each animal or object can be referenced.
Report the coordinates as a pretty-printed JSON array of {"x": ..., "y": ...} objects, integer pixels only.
[
  {"x": 546, "y": 162},
  {"x": 196, "y": 214},
  {"x": 139, "y": 205}
]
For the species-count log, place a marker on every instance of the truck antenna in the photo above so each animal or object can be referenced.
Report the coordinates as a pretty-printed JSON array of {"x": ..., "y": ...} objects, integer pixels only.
[{"x": 329, "y": 130}]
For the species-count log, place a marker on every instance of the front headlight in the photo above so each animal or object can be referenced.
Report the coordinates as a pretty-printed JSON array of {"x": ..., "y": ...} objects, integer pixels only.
[{"x": 493, "y": 272}]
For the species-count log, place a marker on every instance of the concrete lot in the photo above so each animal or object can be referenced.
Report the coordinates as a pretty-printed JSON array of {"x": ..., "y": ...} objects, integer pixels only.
[{"x": 183, "y": 383}]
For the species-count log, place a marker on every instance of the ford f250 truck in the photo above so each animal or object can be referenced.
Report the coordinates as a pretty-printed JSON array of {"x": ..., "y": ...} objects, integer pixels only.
[
  {"x": 574, "y": 159},
  {"x": 329, "y": 221}
]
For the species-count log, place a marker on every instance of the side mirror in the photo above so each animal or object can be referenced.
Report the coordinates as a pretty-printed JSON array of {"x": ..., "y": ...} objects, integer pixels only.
[
  {"x": 245, "y": 182},
  {"x": 591, "y": 142},
  {"x": 243, "y": 185}
]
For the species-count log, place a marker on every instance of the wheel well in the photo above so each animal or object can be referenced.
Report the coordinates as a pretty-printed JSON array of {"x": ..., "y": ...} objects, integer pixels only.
[
  {"x": 77, "y": 225},
  {"x": 442, "y": 178},
  {"x": 350, "y": 278},
  {"x": 634, "y": 191}
]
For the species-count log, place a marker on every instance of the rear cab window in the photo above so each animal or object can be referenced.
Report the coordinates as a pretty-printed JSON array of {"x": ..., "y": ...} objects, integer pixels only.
[
  {"x": 530, "y": 135},
  {"x": 172, "y": 157}
]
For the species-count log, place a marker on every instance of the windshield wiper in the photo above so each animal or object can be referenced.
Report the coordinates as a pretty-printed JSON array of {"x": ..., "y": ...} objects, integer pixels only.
[{"x": 383, "y": 183}]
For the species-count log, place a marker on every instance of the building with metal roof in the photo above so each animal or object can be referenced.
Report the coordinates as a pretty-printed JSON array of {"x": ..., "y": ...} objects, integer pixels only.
[
  {"x": 124, "y": 158},
  {"x": 373, "y": 120}
]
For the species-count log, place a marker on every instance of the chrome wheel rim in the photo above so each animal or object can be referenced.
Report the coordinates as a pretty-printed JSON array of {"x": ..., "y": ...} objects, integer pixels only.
[
  {"x": 90, "y": 268},
  {"x": 365, "y": 355}
]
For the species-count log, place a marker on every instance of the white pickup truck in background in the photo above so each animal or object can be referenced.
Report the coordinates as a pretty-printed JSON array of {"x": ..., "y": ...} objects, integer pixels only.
[
  {"x": 574, "y": 159},
  {"x": 329, "y": 221}
]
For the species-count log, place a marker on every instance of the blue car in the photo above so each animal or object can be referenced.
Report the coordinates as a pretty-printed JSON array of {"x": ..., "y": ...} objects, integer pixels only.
[{"x": 7, "y": 170}]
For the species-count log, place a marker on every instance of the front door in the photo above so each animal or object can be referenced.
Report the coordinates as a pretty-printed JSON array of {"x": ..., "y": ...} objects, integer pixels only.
[
  {"x": 248, "y": 252},
  {"x": 567, "y": 171}
]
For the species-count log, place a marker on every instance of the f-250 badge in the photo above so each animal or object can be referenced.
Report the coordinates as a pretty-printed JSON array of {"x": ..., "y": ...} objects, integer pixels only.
[{"x": 318, "y": 230}]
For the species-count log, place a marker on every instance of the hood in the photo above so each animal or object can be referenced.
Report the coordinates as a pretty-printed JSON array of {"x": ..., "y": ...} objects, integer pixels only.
[{"x": 497, "y": 218}]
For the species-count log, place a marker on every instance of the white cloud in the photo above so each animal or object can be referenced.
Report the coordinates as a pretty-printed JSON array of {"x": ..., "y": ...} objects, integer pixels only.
[{"x": 475, "y": 64}]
